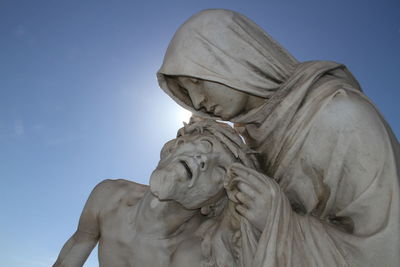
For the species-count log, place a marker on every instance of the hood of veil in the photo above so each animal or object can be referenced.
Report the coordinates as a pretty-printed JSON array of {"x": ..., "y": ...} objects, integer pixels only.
[{"x": 225, "y": 47}]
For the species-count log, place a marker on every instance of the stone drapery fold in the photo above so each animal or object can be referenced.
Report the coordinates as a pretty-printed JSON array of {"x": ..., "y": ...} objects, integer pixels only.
[{"x": 333, "y": 155}]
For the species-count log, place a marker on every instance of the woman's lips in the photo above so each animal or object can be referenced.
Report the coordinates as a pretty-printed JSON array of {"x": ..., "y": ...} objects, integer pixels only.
[
  {"x": 214, "y": 109},
  {"x": 211, "y": 109},
  {"x": 217, "y": 110}
]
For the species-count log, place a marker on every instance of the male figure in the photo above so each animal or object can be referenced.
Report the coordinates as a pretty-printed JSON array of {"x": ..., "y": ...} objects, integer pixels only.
[{"x": 138, "y": 225}]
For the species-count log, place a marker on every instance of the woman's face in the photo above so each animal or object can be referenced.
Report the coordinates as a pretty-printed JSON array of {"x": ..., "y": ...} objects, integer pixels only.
[{"x": 214, "y": 98}]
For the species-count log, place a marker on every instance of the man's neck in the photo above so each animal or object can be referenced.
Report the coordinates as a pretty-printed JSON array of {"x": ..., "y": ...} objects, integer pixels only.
[{"x": 161, "y": 219}]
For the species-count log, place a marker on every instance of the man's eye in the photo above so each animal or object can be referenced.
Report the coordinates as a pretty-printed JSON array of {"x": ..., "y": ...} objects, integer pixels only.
[
  {"x": 188, "y": 171},
  {"x": 208, "y": 145},
  {"x": 207, "y": 141},
  {"x": 222, "y": 168}
]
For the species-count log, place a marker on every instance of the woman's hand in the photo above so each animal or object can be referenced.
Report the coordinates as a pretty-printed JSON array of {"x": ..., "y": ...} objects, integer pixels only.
[{"x": 253, "y": 192}]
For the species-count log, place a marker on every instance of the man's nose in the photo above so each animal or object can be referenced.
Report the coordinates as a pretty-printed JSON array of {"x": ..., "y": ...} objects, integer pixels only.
[{"x": 201, "y": 162}]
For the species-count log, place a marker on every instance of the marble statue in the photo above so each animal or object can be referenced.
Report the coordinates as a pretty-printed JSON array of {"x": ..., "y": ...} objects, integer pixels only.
[
  {"x": 327, "y": 189},
  {"x": 183, "y": 219},
  {"x": 315, "y": 182}
]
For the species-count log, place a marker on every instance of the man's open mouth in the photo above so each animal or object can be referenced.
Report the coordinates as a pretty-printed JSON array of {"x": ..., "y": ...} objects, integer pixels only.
[{"x": 187, "y": 168}]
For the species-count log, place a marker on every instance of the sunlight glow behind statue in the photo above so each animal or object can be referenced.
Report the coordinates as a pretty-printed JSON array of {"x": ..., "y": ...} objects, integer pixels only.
[{"x": 184, "y": 115}]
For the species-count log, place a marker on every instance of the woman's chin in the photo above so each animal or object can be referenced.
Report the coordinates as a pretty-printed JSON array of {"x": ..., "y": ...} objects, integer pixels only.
[
  {"x": 220, "y": 115},
  {"x": 225, "y": 117}
]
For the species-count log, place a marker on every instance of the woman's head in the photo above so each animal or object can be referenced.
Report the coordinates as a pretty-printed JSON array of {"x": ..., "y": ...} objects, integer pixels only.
[
  {"x": 224, "y": 50},
  {"x": 214, "y": 98}
]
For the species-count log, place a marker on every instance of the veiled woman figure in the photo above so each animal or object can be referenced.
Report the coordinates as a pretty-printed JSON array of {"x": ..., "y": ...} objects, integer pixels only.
[{"x": 327, "y": 193}]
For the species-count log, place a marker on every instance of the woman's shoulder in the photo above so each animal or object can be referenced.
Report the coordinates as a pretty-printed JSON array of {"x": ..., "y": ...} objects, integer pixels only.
[
  {"x": 349, "y": 131},
  {"x": 351, "y": 110},
  {"x": 349, "y": 119}
]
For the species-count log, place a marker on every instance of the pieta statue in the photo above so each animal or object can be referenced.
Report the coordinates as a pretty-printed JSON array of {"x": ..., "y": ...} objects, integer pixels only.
[{"x": 307, "y": 176}]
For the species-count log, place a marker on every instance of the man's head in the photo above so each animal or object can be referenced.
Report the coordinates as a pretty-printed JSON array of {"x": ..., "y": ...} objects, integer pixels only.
[{"x": 192, "y": 166}]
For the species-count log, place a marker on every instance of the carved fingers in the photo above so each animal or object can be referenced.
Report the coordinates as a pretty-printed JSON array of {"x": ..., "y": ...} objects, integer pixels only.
[
  {"x": 245, "y": 195},
  {"x": 253, "y": 192}
]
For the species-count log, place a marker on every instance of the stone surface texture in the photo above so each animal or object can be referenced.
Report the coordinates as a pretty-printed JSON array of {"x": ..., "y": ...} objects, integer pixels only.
[{"x": 316, "y": 182}]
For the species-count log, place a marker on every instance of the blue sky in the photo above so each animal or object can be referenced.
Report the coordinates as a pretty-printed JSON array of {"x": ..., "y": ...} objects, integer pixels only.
[{"x": 79, "y": 100}]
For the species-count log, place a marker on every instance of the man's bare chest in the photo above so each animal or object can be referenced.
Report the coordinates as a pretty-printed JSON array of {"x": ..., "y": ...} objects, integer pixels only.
[{"x": 122, "y": 243}]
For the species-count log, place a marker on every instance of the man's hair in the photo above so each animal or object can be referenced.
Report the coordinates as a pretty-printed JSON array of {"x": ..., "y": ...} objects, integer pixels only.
[{"x": 225, "y": 134}]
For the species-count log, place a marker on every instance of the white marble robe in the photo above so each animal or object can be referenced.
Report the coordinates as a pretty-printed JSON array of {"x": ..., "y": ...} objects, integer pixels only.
[{"x": 321, "y": 139}]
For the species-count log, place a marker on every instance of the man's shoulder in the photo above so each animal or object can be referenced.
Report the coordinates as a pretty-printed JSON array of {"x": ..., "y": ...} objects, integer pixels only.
[
  {"x": 114, "y": 190},
  {"x": 121, "y": 185}
]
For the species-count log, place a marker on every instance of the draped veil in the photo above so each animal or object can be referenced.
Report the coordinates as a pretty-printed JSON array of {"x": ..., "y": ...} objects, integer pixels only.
[{"x": 321, "y": 139}]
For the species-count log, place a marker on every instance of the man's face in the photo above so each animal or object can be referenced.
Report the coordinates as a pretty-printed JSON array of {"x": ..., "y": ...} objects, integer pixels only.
[{"x": 192, "y": 172}]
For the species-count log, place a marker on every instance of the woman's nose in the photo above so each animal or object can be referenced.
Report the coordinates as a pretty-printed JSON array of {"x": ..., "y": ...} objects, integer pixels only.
[{"x": 198, "y": 98}]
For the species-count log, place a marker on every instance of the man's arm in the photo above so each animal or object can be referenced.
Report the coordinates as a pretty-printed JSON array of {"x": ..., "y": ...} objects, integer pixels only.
[{"x": 76, "y": 250}]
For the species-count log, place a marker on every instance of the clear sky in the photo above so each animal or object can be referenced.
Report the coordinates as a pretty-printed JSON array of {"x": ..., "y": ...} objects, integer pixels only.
[{"x": 79, "y": 100}]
